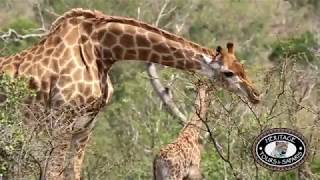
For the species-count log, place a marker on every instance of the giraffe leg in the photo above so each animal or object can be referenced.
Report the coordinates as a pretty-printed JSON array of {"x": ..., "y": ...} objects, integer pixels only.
[
  {"x": 80, "y": 137},
  {"x": 78, "y": 145}
]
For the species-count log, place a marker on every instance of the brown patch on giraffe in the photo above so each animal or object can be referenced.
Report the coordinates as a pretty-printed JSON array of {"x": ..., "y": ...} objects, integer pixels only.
[
  {"x": 168, "y": 63},
  {"x": 82, "y": 99},
  {"x": 54, "y": 65},
  {"x": 23, "y": 67},
  {"x": 66, "y": 91},
  {"x": 40, "y": 71},
  {"x": 88, "y": 77},
  {"x": 45, "y": 86},
  {"x": 87, "y": 27},
  {"x": 106, "y": 53},
  {"x": 130, "y": 54},
  {"x": 74, "y": 21},
  {"x": 173, "y": 44},
  {"x": 66, "y": 56},
  {"x": 142, "y": 41},
  {"x": 17, "y": 58},
  {"x": 63, "y": 31},
  {"x": 154, "y": 38},
  {"x": 23, "y": 53},
  {"x": 80, "y": 87},
  {"x": 33, "y": 84},
  {"x": 3, "y": 63},
  {"x": 40, "y": 50},
  {"x": 65, "y": 71},
  {"x": 29, "y": 57},
  {"x": 91, "y": 99},
  {"x": 58, "y": 50},
  {"x": 98, "y": 35},
  {"x": 45, "y": 61},
  {"x": 161, "y": 48},
  {"x": 131, "y": 30},
  {"x": 37, "y": 57},
  {"x": 77, "y": 75},
  {"x": 115, "y": 28},
  {"x": 69, "y": 66},
  {"x": 127, "y": 41},
  {"x": 118, "y": 52},
  {"x": 189, "y": 53},
  {"x": 53, "y": 41},
  {"x": 87, "y": 90},
  {"x": 63, "y": 80},
  {"x": 155, "y": 57},
  {"x": 72, "y": 37},
  {"x": 109, "y": 40},
  {"x": 143, "y": 54},
  {"x": 167, "y": 58},
  {"x": 83, "y": 39},
  {"x": 27, "y": 70},
  {"x": 49, "y": 51},
  {"x": 178, "y": 54},
  {"x": 192, "y": 65}
]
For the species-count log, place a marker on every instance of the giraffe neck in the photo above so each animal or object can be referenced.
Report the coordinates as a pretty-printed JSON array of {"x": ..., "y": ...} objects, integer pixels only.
[
  {"x": 126, "y": 39},
  {"x": 194, "y": 126}
]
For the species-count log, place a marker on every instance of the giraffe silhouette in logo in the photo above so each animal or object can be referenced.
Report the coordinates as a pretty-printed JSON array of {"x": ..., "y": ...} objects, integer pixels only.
[
  {"x": 280, "y": 149},
  {"x": 69, "y": 68}
]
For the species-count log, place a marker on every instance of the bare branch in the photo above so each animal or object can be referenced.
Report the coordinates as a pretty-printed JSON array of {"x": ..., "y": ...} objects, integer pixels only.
[
  {"x": 163, "y": 93},
  {"x": 12, "y": 35}
]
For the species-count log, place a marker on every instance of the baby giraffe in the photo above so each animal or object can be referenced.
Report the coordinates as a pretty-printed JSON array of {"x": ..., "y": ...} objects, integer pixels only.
[{"x": 180, "y": 160}]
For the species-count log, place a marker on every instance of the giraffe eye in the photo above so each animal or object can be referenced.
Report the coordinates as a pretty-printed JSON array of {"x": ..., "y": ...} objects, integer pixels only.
[{"x": 228, "y": 73}]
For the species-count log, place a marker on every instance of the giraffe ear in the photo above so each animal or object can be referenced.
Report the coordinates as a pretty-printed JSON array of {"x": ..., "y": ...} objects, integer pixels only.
[
  {"x": 219, "y": 49},
  {"x": 230, "y": 47}
]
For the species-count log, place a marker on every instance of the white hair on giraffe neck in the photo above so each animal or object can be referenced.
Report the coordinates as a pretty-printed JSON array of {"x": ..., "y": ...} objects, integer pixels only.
[
  {"x": 209, "y": 68},
  {"x": 206, "y": 59}
]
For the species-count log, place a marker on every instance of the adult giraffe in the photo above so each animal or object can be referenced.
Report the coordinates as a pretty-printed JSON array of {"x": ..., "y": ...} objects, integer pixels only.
[{"x": 70, "y": 65}]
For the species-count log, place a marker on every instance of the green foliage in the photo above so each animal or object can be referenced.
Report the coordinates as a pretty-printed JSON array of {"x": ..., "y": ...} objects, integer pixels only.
[
  {"x": 12, "y": 93},
  {"x": 22, "y": 26},
  {"x": 300, "y": 48}
]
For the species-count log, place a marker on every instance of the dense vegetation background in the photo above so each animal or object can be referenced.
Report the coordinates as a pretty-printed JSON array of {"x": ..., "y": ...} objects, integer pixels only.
[{"x": 277, "y": 40}]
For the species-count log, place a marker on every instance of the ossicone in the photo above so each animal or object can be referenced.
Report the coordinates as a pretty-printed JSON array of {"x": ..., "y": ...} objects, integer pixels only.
[
  {"x": 230, "y": 47},
  {"x": 219, "y": 49}
]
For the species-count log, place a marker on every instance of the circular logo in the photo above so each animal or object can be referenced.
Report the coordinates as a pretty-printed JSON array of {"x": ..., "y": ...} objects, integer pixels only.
[{"x": 280, "y": 149}]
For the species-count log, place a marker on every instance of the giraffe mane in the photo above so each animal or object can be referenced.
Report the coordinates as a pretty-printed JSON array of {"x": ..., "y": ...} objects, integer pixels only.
[
  {"x": 76, "y": 12},
  {"x": 100, "y": 17}
]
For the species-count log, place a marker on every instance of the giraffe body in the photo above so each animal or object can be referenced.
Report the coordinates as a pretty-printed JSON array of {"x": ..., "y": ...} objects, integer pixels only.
[
  {"x": 181, "y": 159},
  {"x": 69, "y": 69}
]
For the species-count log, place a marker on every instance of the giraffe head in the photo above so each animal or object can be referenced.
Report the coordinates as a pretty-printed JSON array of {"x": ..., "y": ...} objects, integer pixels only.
[{"x": 229, "y": 72}]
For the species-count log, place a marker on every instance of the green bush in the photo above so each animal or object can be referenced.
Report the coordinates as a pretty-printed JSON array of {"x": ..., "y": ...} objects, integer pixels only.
[
  {"x": 300, "y": 48},
  {"x": 12, "y": 93}
]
